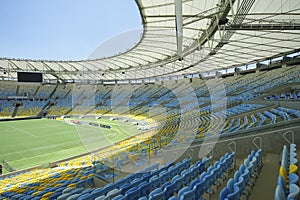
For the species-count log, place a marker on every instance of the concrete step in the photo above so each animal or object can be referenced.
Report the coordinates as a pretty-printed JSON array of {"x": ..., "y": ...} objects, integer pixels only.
[{"x": 265, "y": 185}]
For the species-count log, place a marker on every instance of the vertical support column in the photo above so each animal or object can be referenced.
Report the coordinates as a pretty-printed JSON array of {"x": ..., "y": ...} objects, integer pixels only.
[{"x": 179, "y": 27}]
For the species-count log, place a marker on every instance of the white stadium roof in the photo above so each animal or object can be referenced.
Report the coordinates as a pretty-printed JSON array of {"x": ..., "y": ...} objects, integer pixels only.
[{"x": 187, "y": 37}]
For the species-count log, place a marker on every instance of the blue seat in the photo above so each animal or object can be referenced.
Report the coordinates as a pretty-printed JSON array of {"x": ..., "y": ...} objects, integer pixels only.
[
  {"x": 241, "y": 185},
  {"x": 55, "y": 196},
  {"x": 145, "y": 188},
  {"x": 293, "y": 159},
  {"x": 85, "y": 196},
  {"x": 120, "y": 182},
  {"x": 187, "y": 176},
  {"x": 293, "y": 178},
  {"x": 75, "y": 180},
  {"x": 135, "y": 182},
  {"x": 293, "y": 192},
  {"x": 202, "y": 165},
  {"x": 88, "y": 190},
  {"x": 172, "y": 171},
  {"x": 73, "y": 197},
  {"x": 155, "y": 172},
  {"x": 182, "y": 191},
  {"x": 186, "y": 163},
  {"x": 215, "y": 175},
  {"x": 67, "y": 190},
  {"x": 77, "y": 191},
  {"x": 234, "y": 195},
  {"x": 194, "y": 182},
  {"x": 247, "y": 177},
  {"x": 158, "y": 196},
  {"x": 125, "y": 188},
  {"x": 146, "y": 176},
  {"x": 25, "y": 197},
  {"x": 189, "y": 195},
  {"x": 169, "y": 189},
  {"x": 130, "y": 177},
  {"x": 279, "y": 193},
  {"x": 97, "y": 192},
  {"x": 230, "y": 185},
  {"x": 17, "y": 196},
  {"x": 199, "y": 189},
  {"x": 178, "y": 184},
  {"x": 102, "y": 197},
  {"x": 223, "y": 194},
  {"x": 119, "y": 197},
  {"x": 209, "y": 181},
  {"x": 165, "y": 176},
  {"x": 64, "y": 196},
  {"x": 175, "y": 177},
  {"x": 155, "y": 181},
  {"x": 115, "y": 192},
  {"x": 133, "y": 194},
  {"x": 194, "y": 171},
  {"x": 108, "y": 187},
  {"x": 281, "y": 182}
]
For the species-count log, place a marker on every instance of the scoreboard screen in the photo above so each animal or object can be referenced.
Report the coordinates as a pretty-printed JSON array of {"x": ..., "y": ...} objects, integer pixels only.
[{"x": 30, "y": 77}]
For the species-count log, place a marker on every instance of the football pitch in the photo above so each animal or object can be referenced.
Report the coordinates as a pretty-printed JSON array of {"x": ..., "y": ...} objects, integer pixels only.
[{"x": 30, "y": 143}]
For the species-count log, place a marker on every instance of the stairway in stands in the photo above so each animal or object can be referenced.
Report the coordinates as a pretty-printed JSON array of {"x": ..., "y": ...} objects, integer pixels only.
[{"x": 15, "y": 111}]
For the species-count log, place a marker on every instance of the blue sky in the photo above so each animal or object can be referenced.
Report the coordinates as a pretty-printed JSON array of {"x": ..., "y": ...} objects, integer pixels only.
[{"x": 62, "y": 29}]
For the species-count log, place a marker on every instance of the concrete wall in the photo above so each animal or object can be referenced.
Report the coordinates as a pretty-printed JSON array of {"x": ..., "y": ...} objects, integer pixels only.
[{"x": 290, "y": 104}]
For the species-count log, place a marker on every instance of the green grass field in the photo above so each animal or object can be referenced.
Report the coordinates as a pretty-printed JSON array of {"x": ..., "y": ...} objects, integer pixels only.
[{"x": 29, "y": 143}]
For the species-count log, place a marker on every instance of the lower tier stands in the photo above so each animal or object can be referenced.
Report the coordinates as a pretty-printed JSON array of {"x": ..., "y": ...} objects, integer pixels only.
[
  {"x": 78, "y": 184},
  {"x": 184, "y": 180}
]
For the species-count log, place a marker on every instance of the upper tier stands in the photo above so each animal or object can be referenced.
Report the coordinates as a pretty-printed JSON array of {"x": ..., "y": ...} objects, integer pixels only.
[
  {"x": 45, "y": 91},
  {"x": 7, "y": 89},
  {"x": 142, "y": 97}
]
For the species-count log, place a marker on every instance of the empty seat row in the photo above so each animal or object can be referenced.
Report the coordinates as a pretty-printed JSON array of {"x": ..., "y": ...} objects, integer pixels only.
[
  {"x": 294, "y": 112},
  {"x": 189, "y": 185},
  {"x": 163, "y": 186},
  {"x": 244, "y": 178},
  {"x": 284, "y": 96},
  {"x": 288, "y": 180},
  {"x": 199, "y": 186}
]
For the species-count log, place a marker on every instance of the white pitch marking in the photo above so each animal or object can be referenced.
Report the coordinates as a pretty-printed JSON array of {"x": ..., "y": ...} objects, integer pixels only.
[{"x": 26, "y": 132}]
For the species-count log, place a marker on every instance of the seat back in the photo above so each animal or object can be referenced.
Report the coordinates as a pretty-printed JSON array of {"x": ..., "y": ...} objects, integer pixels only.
[
  {"x": 293, "y": 192},
  {"x": 235, "y": 195},
  {"x": 224, "y": 193},
  {"x": 279, "y": 193},
  {"x": 158, "y": 196},
  {"x": 189, "y": 195}
]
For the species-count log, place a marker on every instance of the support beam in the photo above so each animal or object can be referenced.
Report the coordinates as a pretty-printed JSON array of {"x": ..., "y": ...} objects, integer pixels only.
[
  {"x": 179, "y": 27},
  {"x": 260, "y": 27}
]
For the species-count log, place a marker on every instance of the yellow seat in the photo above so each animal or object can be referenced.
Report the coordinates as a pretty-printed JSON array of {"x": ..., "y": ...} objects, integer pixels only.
[
  {"x": 57, "y": 185},
  {"x": 283, "y": 173},
  {"x": 83, "y": 178},
  {"x": 72, "y": 185},
  {"x": 293, "y": 168},
  {"x": 36, "y": 193},
  {"x": 47, "y": 195}
]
